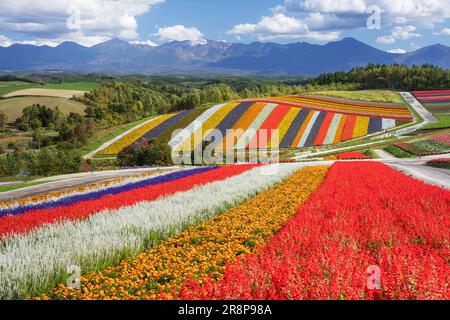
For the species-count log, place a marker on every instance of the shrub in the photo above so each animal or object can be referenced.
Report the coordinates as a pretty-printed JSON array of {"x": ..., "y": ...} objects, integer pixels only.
[{"x": 152, "y": 153}]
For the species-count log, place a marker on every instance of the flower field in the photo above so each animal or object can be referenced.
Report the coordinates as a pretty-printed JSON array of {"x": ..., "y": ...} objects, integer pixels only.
[
  {"x": 150, "y": 130},
  {"x": 99, "y": 231},
  {"x": 443, "y": 163},
  {"x": 290, "y": 230},
  {"x": 394, "y": 223},
  {"x": 300, "y": 122},
  {"x": 437, "y": 101},
  {"x": 424, "y": 147},
  {"x": 353, "y": 156}
]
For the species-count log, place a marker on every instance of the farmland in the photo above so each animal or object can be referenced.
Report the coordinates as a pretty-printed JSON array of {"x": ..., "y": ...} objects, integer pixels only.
[
  {"x": 8, "y": 88},
  {"x": 13, "y": 106}
]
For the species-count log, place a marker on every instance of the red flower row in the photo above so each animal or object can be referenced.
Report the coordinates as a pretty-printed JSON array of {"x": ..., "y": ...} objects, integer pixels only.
[
  {"x": 352, "y": 156},
  {"x": 366, "y": 226},
  {"x": 30, "y": 220}
]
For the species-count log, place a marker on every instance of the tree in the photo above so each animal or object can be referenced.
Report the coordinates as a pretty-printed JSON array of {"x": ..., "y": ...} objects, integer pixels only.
[
  {"x": 154, "y": 153},
  {"x": 3, "y": 120}
]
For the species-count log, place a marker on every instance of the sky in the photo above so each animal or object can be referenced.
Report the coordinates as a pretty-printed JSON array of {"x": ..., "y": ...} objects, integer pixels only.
[{"x": 395, "y": 26}]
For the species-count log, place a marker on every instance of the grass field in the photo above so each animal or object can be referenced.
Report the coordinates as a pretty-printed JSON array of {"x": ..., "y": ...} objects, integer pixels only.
[
  {"x": 443, "y": 123},
  {"x": 13, "y": 107},
  {"x": 11, "y": 86},
  {"x": 365, "y": 95}
]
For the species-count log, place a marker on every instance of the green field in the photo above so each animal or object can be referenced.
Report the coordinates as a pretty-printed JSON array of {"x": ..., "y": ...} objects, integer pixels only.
[
  {"x": 13, "y": 106},
  {"x": 443, "y": 123},
  {"x": 365, "y": 95},
  {"x": 11, "y": 86}
]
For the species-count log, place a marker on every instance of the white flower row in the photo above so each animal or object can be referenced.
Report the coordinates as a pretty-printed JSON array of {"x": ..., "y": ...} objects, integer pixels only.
[
  {"x": 187, "y": 132},
  {"x": 38, "y": 260}
]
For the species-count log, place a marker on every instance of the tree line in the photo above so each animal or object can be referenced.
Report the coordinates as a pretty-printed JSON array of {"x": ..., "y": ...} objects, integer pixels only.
[{"x": 394, "y": 77}]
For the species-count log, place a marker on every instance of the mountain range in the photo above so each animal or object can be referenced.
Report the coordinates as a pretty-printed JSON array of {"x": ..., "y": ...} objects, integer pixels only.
[{"x": 212, "y": 57}]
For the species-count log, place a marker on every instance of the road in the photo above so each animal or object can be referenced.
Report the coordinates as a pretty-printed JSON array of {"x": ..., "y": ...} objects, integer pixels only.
[
  {"x": 65, "y": 182},
  {"x": 419, "y": 108},
  {"x": 434, "y": 176},
  {"x": 426, "y": 116}
]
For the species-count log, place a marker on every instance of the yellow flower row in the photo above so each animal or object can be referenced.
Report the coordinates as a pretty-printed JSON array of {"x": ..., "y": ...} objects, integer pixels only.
[
  {"x": 43, "y": 197},
  {"x": 134, "y": 135},
  {"x": 203, "y": 250},
  {"x": 361, "y": 127}
]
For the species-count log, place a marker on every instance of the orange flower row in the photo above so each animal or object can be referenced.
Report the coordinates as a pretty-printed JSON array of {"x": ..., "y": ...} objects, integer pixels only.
[{"x": 203, "y": 250}]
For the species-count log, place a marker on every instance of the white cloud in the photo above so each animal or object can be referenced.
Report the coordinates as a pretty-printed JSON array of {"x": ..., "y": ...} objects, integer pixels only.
[
  {"x": 353, "y": 14},
  {"x": 181, "y": 33},
  {"x": 398, "y": 51},
  {"x": 324, "y": 6},
  {"x": 5, "y": 41},
  {"x": 443, "y": 32},
  {"x": 399, "y": 33},
  {"x": 85, "y": 21},
  {"x": 280, "y": 26},
  {"x": 145, "y": 43}
]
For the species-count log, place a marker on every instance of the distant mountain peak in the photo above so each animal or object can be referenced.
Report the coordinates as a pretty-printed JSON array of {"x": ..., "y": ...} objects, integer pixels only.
[{"x": 300, "y": 58}]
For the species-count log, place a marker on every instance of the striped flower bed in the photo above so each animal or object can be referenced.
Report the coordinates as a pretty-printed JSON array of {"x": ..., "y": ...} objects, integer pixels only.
[
  {"x": 76, "y": 208},
  {"x": 253, "y": 124},
  {"x": 37, "y": 260},
  {"x": 364, "y": 217},
  {"x": 436, "y": 101},
  {"x": 206, "y": 248},
  {"x": 55, "y": 196},
  {"x": 149, "y": 131}
]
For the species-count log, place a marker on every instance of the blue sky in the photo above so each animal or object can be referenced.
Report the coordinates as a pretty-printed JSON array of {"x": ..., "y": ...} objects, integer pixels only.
[{"x": 405, "y": 25}]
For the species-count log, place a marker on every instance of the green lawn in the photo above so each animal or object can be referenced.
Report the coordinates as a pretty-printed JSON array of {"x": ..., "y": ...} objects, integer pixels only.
[
  {"x": 444, "y": 122},
  {"x": 365, "y": 95}
]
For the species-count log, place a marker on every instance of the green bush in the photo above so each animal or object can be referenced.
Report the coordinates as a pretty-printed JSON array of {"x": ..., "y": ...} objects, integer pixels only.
[{"x": 152, "y": 153}]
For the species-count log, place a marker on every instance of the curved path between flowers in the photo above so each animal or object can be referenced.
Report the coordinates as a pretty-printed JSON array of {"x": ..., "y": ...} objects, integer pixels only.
[{"x": 64, "y": 182}]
